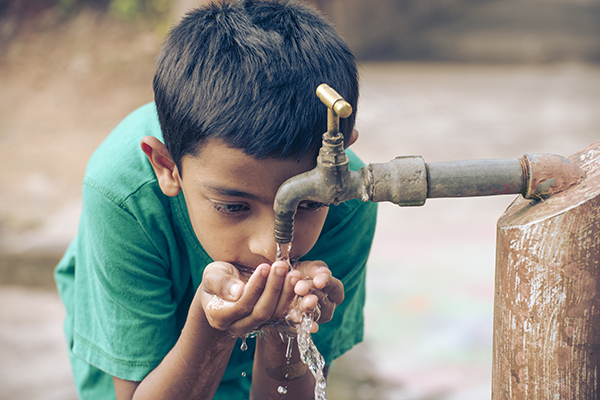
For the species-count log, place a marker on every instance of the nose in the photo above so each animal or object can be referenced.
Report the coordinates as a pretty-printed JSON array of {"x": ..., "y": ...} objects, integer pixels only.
[{"x": 260, "y": 237}]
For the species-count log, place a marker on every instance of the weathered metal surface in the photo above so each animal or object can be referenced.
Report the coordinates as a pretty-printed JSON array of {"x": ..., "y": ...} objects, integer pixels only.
[
  {"x": 547, "y": 297},
  {"x": 402, "y": 181},
  {"x": 474, "y": 178},
  {"x": 548, "y": 174}
]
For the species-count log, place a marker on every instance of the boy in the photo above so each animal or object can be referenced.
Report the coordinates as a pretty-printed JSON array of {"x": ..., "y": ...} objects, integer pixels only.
[{"x": 175, "y": 259}]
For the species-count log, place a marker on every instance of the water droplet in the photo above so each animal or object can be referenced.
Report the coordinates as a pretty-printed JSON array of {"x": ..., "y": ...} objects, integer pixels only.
[
  {"x": 282, "y": 390},
  {"x": 244, "y": 374},
  {"x": 244, "y": 345},
  {"x": 288, "y": 352}
]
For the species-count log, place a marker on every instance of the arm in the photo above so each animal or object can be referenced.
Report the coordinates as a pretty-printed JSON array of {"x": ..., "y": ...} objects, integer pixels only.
[
  {"x": 192, "y": 369},
  {"x": 223, "y": 308},
  {"x": 272, "y": 369}
]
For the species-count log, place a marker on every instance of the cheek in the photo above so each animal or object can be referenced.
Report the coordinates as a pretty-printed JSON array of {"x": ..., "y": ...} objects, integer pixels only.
[
  {"x": 307, "y": 230},
  {"x": 214, "y": 237}
]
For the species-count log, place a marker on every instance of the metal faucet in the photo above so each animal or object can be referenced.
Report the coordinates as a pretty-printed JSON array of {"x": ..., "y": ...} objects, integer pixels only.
[{"x": 409, "y": 181}]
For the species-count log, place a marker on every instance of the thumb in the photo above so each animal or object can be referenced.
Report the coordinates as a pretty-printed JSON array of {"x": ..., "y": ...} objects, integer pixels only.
[
  {"x": 218, "y": 280},
  {"x": 234, "y": 289}
]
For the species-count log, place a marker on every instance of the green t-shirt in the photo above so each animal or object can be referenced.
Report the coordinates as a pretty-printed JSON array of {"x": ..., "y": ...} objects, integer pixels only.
[{"x": 128, "y": 278}]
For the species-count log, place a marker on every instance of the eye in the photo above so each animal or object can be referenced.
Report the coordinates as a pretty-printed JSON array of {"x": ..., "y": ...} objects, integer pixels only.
[
  {"x": 311, "y": 205},
  {"x": 231, "y": 209}
]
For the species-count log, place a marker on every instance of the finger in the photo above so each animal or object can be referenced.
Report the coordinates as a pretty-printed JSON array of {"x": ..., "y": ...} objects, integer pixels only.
[
  {"x": 220, "y": 312},
  {"x": 327, "y": 309},
  {"x": 321, "y": 280},
  {"x": 314, "y": 328},
  {"x": 303, "y": 287},
  {"x": 265, "y": 306},
  {"x": 252, "y": 291},
  {"x": 307, "y": 285},
  {"x": 239, "y": 320},
  {"x": 294, "y": 314},
  {"x": 267, "y": 303},
  {"x": 288, "y": 294},
  {"x": 332, "y": 287},
  {"x": 310, "y": 269},
  {"x": 308, "y": 302},
  {"x": 222, "y": 280}
]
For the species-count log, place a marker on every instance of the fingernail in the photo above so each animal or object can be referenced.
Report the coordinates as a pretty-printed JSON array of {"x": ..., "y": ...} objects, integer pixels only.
[
  {"x": 234, "y": 290},
  {"x": 281, "y": 270},
  {"x": 264, "y": 271},
  {"x": 294, "y": 280}
]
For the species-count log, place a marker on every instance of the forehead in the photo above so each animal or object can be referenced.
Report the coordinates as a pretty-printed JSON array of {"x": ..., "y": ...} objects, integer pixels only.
[{"x": 218, "y": 165}]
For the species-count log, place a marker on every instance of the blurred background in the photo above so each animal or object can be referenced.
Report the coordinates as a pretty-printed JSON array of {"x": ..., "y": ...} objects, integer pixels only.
[{"x": 445, "y": 79}]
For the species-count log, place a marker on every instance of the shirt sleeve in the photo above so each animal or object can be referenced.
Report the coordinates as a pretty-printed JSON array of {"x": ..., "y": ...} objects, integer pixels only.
[{"x": 125, "y": 313}]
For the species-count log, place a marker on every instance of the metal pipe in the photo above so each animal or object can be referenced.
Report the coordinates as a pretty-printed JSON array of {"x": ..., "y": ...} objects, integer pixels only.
[
  {"x": 475, "y": 178},
  {"x": 409, "y": 181}
]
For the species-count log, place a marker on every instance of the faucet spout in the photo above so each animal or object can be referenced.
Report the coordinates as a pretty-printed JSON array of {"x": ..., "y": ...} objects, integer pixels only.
[{"x": 329, "y": 182}]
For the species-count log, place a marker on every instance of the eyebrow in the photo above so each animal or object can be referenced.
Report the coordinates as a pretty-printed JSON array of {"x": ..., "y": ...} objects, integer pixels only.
[{"x": 232, "y": 192}]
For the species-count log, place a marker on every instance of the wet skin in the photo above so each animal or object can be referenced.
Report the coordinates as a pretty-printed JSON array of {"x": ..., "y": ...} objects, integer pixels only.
[{"x": 229, "y": 196}]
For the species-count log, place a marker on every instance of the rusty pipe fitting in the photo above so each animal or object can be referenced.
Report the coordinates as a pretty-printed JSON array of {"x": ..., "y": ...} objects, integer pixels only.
[{"x": 548, "y": 174}]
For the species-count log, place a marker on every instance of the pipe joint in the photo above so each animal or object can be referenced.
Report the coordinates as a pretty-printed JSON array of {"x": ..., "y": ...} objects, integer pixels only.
[{"x": 402, "y": 181}]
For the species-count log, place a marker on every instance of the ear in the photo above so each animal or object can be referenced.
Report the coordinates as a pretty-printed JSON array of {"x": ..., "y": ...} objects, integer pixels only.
[
  {"x": 353, "y": 138},
  {"x": 165, "y": 169}
]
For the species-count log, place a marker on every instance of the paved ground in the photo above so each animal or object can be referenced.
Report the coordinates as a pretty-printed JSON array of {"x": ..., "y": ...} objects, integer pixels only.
[{"x": 430, "y": 282}]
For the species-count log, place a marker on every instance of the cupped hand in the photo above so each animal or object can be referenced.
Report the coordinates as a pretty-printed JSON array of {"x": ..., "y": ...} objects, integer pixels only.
[
  {"x": 239, "y": 304},
  {"x": 319, "y": 292}
]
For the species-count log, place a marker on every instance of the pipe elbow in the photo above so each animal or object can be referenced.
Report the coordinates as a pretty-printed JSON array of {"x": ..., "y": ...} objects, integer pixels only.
[
  {"x": 322, "y": 184},
  {"x": 289, "y": 195}
]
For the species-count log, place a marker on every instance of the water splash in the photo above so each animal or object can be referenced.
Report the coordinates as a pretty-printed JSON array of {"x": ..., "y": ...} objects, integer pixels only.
[
  {"x": 309, "y": 354},
  {"x": 283, "y": 253}
]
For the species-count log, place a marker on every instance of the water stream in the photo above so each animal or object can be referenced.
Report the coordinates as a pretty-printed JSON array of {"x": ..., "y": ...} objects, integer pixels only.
[{"x": 309, "y": 353}]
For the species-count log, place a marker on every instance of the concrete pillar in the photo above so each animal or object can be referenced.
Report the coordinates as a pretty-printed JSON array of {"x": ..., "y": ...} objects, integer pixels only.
[{"x": 547, "y": 296}]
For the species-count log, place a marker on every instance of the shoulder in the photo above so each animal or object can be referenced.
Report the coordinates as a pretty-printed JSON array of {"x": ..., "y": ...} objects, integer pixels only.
[{"x": 119, "y": 167}]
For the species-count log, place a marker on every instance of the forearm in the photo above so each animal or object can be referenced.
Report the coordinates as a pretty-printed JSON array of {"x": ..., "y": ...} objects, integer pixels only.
[
  {"x": 272, "y": 370},
  {"x": 193, "y": 368}
]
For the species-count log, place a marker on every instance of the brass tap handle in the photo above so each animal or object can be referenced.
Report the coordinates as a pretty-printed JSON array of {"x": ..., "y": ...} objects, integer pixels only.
[{"x": 334, "y": 101}]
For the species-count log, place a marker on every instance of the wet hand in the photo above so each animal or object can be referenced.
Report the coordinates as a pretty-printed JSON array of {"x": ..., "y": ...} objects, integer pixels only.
[
  {"x": 318, "y": 292},
  {"x": 239, "y": 303}
]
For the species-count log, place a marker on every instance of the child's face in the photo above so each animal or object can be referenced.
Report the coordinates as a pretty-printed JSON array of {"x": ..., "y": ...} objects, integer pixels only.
[{"x": 230, "y": 196}]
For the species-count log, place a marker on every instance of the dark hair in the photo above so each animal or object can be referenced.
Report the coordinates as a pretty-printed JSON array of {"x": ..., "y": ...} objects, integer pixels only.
[{"x": 246, "y": 72}]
